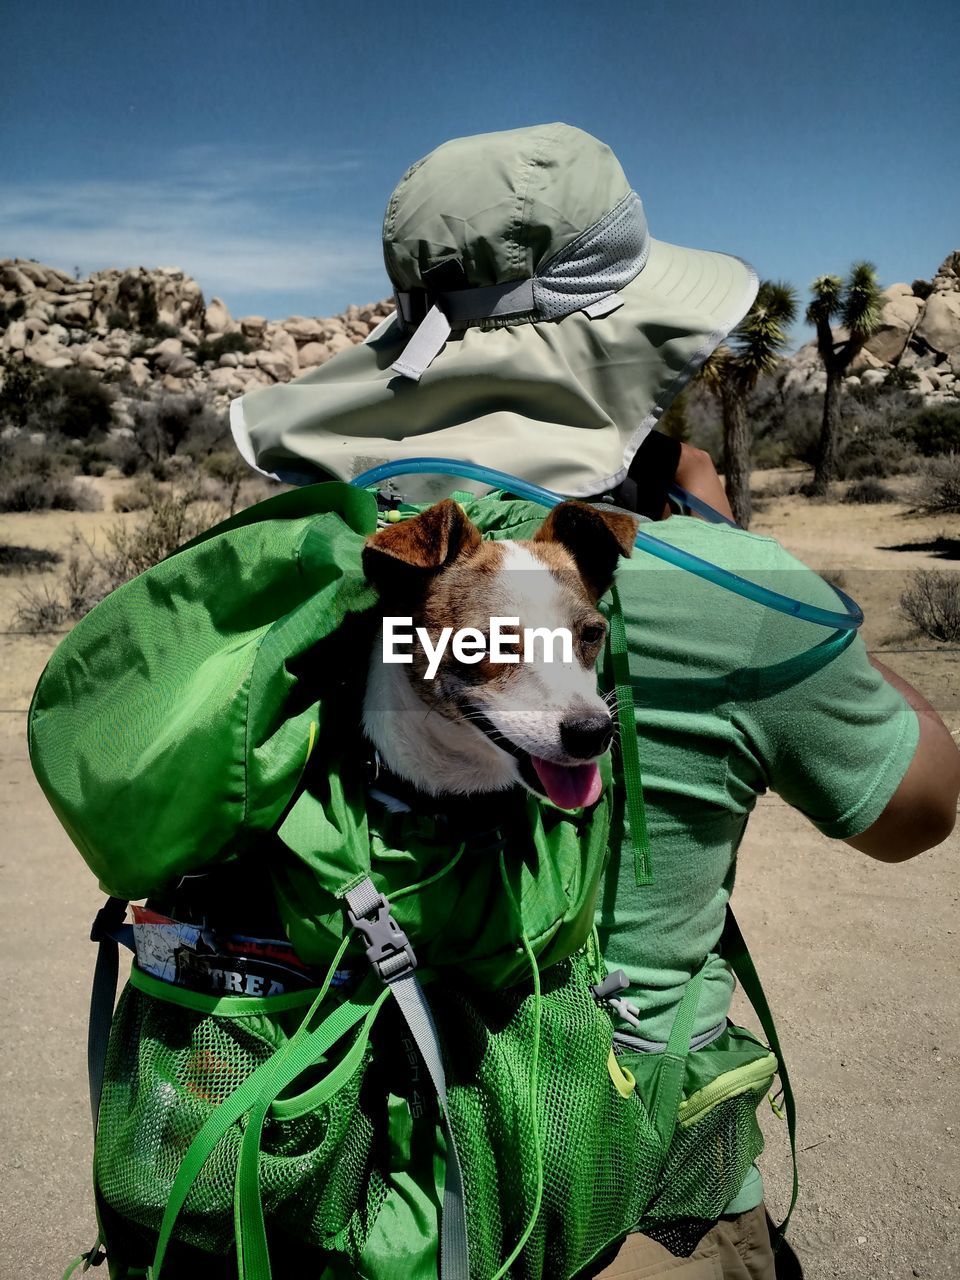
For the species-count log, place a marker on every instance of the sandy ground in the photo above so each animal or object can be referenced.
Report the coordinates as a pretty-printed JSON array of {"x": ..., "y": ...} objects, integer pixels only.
[{"x": 860, "y": 961}]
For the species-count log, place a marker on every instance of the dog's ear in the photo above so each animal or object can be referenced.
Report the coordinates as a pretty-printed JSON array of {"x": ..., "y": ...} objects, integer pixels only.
[
  {"x": 404, "y": 555},
  {"x": 594, "y": 537}
]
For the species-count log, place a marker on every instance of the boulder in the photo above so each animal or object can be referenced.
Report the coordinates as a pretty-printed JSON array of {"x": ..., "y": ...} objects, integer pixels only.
[
  {"x": 898, "y": 318},
  {"x": 253, "y": 327},
  {"x": 226, "y": 380},
  {"x": 873, "y": 377},
  {"x": 181, "y": 367},
  {"x": 91, "y": 359},
  {"x": 217, "y": 318},
  {"x": 280, "y": 340},
  {"x": 138, "y": 371},
  {"x": 313, "y": 354},
  {"x": 229, "y": 360},
  {"x": 44, "y": 350},
  {"x": 62, "y": 361},
  {"x": 338, "y": 342},
  {"x": 302, "y": 329},
  {"x": 13, "y": 278},
  {"x": 166, "y": 351},
  {"x": 277, "y": 363},
  {"x": 865, "y": 359},
  {"x": 15, "y": 337},
  {"x": 75, "y": 312},
  {"x": 939, "y": 326},
  {"x": 898, "y": 291}
]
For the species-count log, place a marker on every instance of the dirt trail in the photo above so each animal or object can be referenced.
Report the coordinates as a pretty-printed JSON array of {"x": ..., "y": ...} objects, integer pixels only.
[{"x": 860, "y": 961}]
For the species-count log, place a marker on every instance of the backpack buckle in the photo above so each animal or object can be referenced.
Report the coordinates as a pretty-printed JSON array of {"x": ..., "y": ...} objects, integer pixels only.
[{"x": 388, "y": 948}]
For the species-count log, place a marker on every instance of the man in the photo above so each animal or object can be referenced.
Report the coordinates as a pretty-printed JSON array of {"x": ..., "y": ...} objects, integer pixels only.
[{"x": 542, "y": 331}]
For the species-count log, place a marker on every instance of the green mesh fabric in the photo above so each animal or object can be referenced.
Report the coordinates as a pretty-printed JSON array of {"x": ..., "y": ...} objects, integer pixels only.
[
  {"x": 708, "y": 1161},
  {"x": 325, "y": 1176},
  {"x": 167, "y": 1068},
  {"x": 599, "y": 1150}
]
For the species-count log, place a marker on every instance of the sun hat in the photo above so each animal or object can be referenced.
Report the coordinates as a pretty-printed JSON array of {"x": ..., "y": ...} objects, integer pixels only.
[{"x": 540, "y": 329}]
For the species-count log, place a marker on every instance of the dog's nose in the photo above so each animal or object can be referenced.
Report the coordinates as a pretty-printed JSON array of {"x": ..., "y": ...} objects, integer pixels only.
[{"x": 586, "y": 736}]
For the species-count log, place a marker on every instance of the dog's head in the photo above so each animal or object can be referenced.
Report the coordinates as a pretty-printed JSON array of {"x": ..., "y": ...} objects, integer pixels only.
[{"x": 534, "y": 716}]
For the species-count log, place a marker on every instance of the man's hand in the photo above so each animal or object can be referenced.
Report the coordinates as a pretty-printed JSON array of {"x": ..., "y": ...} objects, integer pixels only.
[{"x": 922, "y": 811}]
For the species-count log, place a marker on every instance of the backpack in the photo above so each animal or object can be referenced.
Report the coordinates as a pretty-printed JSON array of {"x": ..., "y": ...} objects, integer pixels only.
[{"x": 195, "y": 723}]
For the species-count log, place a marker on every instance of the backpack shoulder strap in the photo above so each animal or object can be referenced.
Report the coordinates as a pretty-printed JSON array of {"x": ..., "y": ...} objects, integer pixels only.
[
  {"x": 734, "y": 950},
  {"x": 108, "y": 933}
]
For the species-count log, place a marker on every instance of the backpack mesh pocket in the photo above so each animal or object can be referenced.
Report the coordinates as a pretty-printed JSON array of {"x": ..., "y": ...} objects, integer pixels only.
[
  {"x": 168, "y": 1067},
  {"x": 708, "y": 1161},
  {"x": 600, "y": 1155}
]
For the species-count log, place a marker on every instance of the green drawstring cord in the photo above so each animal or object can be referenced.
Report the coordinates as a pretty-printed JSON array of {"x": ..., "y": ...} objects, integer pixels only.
[
  {"x": 534, "y": 1079},
  {"x": 629, "y": 752}
]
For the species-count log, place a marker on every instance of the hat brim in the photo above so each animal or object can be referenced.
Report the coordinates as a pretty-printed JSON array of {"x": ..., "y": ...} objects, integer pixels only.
[{"x": 564, "y": 404}]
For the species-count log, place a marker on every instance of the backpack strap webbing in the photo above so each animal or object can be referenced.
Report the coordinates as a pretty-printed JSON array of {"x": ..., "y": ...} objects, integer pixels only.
[
  {"x": 392, "y": 958},
  {"x": 629, "y": 751},
  {"x": 734, "y": 950},
  {"x": 107, "y": 933}
]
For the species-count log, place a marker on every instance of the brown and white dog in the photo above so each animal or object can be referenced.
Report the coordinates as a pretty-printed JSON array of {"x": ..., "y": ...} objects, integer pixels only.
[{"x": 475, "y": 725}]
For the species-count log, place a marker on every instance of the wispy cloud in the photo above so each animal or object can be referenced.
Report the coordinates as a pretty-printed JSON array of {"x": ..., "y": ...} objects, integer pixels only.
[{"x": 241, "y": 224}]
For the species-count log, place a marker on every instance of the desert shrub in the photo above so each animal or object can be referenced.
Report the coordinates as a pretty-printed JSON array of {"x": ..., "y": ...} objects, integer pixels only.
[
  {"x": 922, "y": 288},
  {"x": 15, "y": 559},
  {"x": 160, "y": 330},
  {"x": 66, "y": 402},
  {"x": 173, "y": 518},
  {"x": 20, "y": 394},
  {"x": 12, "y": 312},
  {"x": 869, "y": 490},
  {"x": 147, "y": 312},
  {"x": 34, "y": 493},
  {"x": 139, "y": 497},
  {"x": 901, "y": 379},
  {"x": 939, "y": 489},
  {"x": 873, "y": 456},
  {"x": 933, "y": 430},
  {"x": 169, "y": 425},
  {"x": 214, "y": 348},
  {"x": 117, "y": 319},
  {"x": 932, "y": 603}
]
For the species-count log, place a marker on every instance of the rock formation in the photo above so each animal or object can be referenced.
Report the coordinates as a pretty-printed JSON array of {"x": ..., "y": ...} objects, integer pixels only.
[
  {"x": 152, "y": 331},
  {"x": 920, "y": 332}
]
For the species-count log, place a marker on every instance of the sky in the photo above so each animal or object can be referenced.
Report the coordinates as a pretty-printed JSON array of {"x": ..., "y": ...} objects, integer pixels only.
[{"x": 255, "y": 145}]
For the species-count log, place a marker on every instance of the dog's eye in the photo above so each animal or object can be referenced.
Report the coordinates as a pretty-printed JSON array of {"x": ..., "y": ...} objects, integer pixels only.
[{"x": 592, "y": 633}]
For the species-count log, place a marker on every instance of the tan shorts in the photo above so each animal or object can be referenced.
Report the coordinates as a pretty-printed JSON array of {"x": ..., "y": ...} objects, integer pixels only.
[{"x": 735, "y": 1249}]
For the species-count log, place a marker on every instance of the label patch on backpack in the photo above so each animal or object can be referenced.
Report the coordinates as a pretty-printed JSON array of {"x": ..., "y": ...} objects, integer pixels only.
[{"x": 192, "y": 956}]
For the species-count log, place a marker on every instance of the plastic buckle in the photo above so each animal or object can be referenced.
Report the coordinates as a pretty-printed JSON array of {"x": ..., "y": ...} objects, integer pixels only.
[{"x": 388, "y": 948}]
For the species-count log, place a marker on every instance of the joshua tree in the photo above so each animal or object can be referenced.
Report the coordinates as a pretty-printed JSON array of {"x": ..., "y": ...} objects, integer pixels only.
[
  {"x": 731, "y": 373},
  {"x": 857, "y": 303}
]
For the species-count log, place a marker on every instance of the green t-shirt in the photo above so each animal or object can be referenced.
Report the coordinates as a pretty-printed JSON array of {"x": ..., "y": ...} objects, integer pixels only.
[{"x": 733, "y": 699}]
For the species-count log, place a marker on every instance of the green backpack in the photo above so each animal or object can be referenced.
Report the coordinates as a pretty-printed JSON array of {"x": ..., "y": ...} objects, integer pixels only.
[{"x": 198, "y": 721}]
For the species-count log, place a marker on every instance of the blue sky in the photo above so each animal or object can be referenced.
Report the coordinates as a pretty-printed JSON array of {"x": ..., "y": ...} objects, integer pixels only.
[{"x": 255, "y": 144}]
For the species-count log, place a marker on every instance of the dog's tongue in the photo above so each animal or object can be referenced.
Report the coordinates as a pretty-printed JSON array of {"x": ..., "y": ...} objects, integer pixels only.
[{"x": 569, "y": 786}]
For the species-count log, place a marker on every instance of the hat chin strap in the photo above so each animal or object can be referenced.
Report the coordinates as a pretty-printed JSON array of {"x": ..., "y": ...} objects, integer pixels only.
[{"x": 585, "y": 276}]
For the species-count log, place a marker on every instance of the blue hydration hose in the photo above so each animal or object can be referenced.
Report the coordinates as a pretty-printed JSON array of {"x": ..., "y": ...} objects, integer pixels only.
[{"x": 849, "y": 620}]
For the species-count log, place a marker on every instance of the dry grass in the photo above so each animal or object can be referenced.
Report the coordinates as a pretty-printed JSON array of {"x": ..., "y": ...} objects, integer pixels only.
[{"x": 174, "y": 517}]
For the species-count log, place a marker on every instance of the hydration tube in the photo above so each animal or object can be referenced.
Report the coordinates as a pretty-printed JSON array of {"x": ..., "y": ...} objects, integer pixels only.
[{"x": 849, "y": 620}]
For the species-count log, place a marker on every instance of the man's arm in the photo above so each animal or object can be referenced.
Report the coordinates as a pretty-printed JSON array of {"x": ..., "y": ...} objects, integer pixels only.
[
  {"x": 697, "y": 474},
  {"x": 922, "y": 811}
]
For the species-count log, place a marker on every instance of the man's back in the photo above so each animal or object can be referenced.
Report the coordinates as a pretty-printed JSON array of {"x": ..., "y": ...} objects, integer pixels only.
[{"x": 732, "y": 698}]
